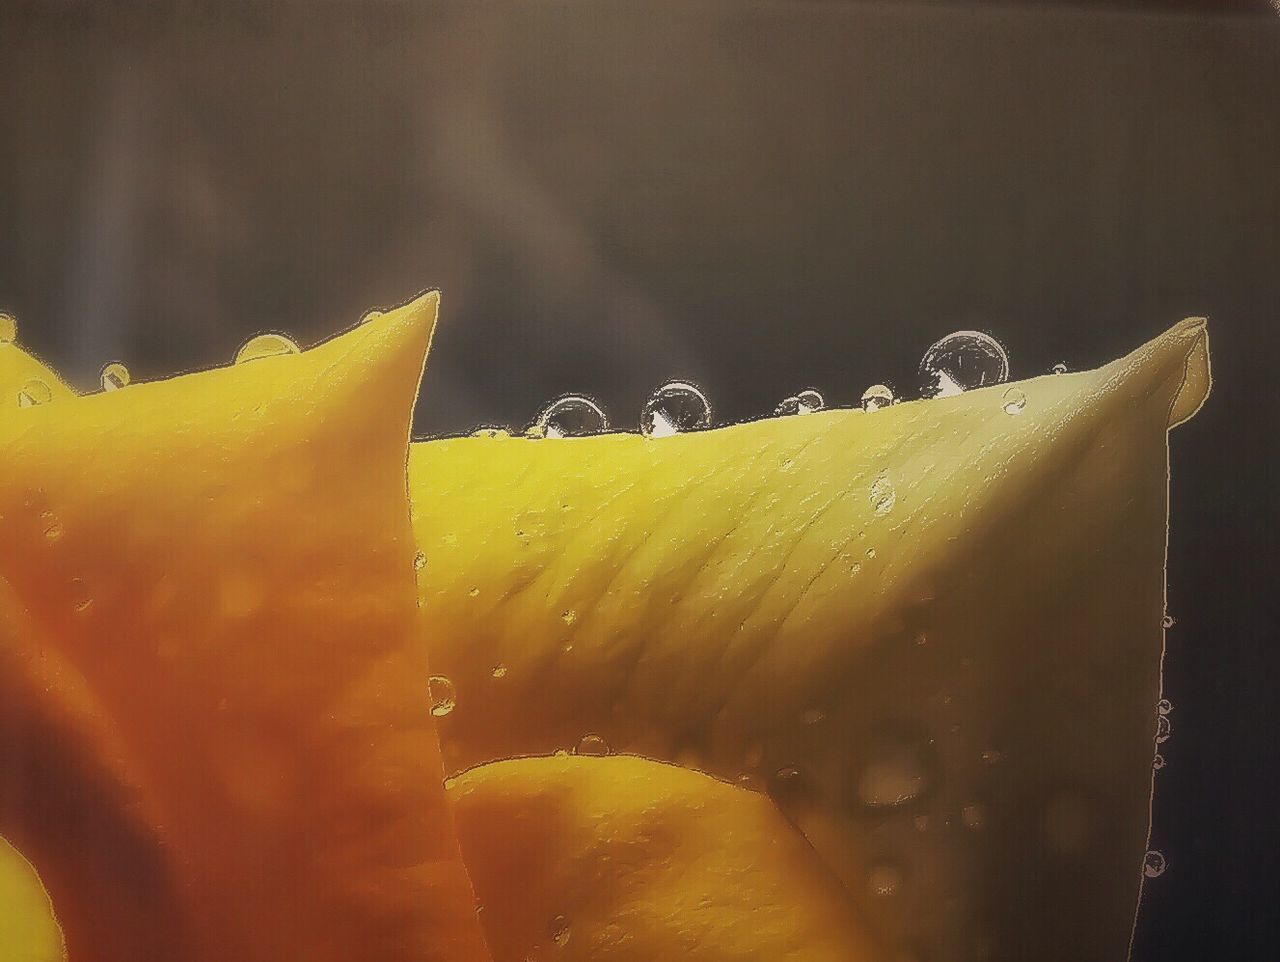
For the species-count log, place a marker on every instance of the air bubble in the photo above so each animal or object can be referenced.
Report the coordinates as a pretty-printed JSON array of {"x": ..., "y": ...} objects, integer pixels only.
[
  {"x": 265, "y": 345},
  {"x": 419, "y": 561},
  {"x": 813, "y": 716},
  {"x": 961, "y": 362},
  {"x": 569, "y": 616},
  {"x": 806, "y": 402},
  {"x": 559, "y": 930},
  {"x": 53, "y": 529},
  {"x": 884, "y": 880},
  {"x": 34, "y": 392},
  {"x": 876, "y": 397},
  {"x": 592, "y": 744},
  {"x": 893, "y": 774},
  {"x": 1164, "y": 728},
  {"x": 1158, "y": 762},
  {"x": 674, "y": 408},
  {"x": 443, "y": 700},
  {"x": 1013, "y": 401},
  {"x": 8, "y": 328},
  {"x": 81, "y": 600},
  {"x": 114, "y": 376},
  {"x": 883, "y": 496},
  {"x": 573, "y": 415},
  {"x": 1154, "y": 865},
  {"x": 1059, "y": 368},
  {"x": 498, "y": 671},
  {"x": 1164, "y": 706},
  {"x": 973, "y": 817},
  {"x": 1168, "y": 621}
]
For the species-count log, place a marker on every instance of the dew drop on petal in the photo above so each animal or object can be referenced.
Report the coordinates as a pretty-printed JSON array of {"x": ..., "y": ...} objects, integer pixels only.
[
  {"x": 443, "y": 699},
  {"x": 592, "y": 744},
  {"x": 806, "y": 402},
  {"x": 876, "y": 397},
  {"x": 574, "y": 415},
  {"x": 676, "y": 407},
  {"x": 1014, "y": 401},
  {"x": 114, "y": 376},
  {"x": 1154, "y": 864},
  {"x": 265, "y": 345},
  {"x": 963, "y": 361},
  {"x": 34, "y": 392},
  {"x": 8, "y": 328}
]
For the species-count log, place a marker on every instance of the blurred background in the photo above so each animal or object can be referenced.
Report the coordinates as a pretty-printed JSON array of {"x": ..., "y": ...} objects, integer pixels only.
[{"x": 759, "y": 195}]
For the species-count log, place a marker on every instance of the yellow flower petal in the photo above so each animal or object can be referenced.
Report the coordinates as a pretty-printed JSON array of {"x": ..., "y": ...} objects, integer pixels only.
[
  {"x": 214, "y": 728},
  {"x": 933, "y": 632},
  {"x": 622, "y": 859}
]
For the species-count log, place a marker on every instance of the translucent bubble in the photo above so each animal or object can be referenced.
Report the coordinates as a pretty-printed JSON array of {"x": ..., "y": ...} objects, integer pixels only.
[
  {"x": 1164, "y": 706},
  {"x": 265, "y": 345},
  {"x": 1163, "y": 729},
  {"x": 569, "y": 616},
  {"x": 1154, "y": 864},
  {"x": 883, "y": 496},
  {"x": 806, "y": 402},
  {"x": 1158, "y": 762},
  {"x": 675, "y": 407},
  {"x": 1168, "y": 621},
  {"x": 442, "y": 695},
  {"x": 876, "y": 397},
  {"x": 973, "y": 817},
  {"x": 498, "y": 671},
  {"x": 81, "y": 599},
  {"x": 894, "y": 774},
  {"x": 114, "y": 376},
  {"x": 1013, "y": 401},
  {"x": 34, "y": 392},
  {"x": 1059, "y": 368},
  {"x": 573, "y": 415},
  {"x": 53, "y": 529},
  {"x": 419, "y": 561},
  {"x": 961, "y": 362},
  {"x": 592, "y": 744},
  {"x": 812, "y": 716},
  {"x": 884, "y": 879},
  {"x": 559, "y": 930},
  {"x": 8, "y": 329}
]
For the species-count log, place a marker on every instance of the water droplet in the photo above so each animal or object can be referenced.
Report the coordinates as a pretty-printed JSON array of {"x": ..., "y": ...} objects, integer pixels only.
[
  {"x": 560, "y": 930},
  {"x": 8, "y": 328},
  {"x": 1163, "y": 729},
  {"x": 963, "y": 361},
  {"x": 34, "y": 392},
  {"x": 1164, "y": 706},
  {"x": 812, "y": 716},
  {"x": 876, "y": 397},
  {"x": 788, "y": 785},
  {"x": 806, "y": 402},
  {"x": 499, "y": 671},
  {"x": 883, "y": 496},
  {"x": 592, "y": 744},
  {"x": 992, "y": 757},
  {"x": 265, "y": 345},
  {"x": 1154, "y": 864},
  {"x": 1014, "y": 400},
  {"x": 442, "y": 695},
  {"x": 573, "y": 415},
  {"x": 419, "y": 561},
  {"x": 1168, "y": 621},
  {"x": 675, "y": 407},
  {"x": 114, "y": 376},
  {"x": 569, "y": 616},
  {"x": 475, "y": 591},
  {"x": 871, "y": 553},
  {"x": 1059, "y": 368},
  {"x": 973, "y": 817},
  {"x": 53, "y": 529},
  {"x": 1158, "y": 762},
  {"x": 884, "y": 880},
  {"x": 893, "y": 774}
]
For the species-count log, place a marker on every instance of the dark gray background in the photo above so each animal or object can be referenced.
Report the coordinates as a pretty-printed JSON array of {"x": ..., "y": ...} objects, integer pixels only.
[{"x": 757, "y": 195}]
